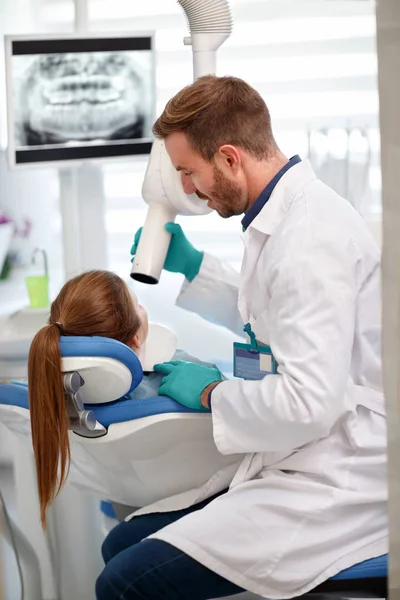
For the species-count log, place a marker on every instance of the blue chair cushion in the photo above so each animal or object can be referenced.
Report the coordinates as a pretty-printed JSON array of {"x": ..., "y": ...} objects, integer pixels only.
[
  {"x": 119, "y": 411},
  {"x": 373, "y": 567},
  {"x": 107, "y": 509},
  {"x": 128, "y": 409},
  {"x": 105, "y": 347}
]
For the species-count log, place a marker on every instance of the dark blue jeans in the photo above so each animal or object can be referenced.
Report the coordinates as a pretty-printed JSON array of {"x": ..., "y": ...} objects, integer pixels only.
[{"x": 153, "y": 569}]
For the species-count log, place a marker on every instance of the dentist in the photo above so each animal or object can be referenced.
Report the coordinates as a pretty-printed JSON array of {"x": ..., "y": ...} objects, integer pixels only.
[{"x": 306, "y": 411}]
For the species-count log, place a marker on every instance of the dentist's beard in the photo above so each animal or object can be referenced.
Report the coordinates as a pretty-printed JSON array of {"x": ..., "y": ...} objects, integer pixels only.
[{"x": 227, "y": 198}]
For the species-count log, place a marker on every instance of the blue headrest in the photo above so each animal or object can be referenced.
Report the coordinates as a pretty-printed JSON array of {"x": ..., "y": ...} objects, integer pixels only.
[{"x": 106, "y": 348}]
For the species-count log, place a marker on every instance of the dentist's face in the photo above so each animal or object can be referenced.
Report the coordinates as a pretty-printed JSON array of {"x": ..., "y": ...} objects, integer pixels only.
[{"x": 215, "y": 182}]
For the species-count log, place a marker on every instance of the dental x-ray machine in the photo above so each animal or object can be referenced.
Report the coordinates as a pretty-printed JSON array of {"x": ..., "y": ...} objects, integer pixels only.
[{"x": 210, "y": 25}]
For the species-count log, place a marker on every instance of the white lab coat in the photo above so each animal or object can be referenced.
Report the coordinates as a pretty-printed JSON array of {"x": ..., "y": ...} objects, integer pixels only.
[{"x": 309, "y": 498}]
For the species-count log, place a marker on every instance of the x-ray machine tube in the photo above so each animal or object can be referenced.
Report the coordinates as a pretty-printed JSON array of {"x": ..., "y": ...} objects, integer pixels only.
[{"x": 210, "y": 25}]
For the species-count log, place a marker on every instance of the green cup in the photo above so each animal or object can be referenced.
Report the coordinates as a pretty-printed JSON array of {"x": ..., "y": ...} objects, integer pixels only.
[{"x": 38, "y": 290}]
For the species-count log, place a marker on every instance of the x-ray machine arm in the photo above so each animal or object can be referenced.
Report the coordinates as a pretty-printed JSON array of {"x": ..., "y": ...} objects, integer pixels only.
[{"x": 210, "y": 25}]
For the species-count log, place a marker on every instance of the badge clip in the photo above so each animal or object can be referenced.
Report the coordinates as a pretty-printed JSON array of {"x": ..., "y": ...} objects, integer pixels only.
[{"x": 254, "y": 360}]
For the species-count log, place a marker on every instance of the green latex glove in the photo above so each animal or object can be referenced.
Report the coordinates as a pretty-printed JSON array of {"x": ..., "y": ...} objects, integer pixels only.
[
  {"x": 182, "y": 256},
  {"x": 184, "y": 381}
]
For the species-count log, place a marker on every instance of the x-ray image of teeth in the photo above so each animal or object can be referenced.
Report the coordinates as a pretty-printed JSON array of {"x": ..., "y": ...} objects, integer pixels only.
[{"x": 79, "y": 97}]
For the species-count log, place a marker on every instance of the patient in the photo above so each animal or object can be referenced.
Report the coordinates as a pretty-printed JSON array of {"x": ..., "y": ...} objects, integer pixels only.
[{"x": 96, "y": 303}]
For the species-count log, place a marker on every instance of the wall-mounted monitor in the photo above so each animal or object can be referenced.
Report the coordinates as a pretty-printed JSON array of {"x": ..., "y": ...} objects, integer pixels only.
[{"x": 78, "y": 98}]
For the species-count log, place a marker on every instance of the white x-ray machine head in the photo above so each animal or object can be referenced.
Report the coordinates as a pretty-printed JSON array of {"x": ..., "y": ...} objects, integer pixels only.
[{"x": 210, "y": 25}]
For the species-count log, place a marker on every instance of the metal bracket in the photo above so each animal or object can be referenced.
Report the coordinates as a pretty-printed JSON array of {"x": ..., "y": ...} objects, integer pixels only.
[{"x": 81, "y": 421}]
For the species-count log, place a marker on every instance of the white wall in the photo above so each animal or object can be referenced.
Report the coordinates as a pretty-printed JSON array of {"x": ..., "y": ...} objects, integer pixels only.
[{"x": 33, "y": 195}]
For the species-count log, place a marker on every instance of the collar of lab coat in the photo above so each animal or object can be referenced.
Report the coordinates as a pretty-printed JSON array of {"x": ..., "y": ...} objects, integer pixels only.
[{"x": 278, "y": 204}]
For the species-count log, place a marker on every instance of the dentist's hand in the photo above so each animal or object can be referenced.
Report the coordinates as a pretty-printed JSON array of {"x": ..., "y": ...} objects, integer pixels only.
[
  {"x": 182, "y": 256},
  {"x": 185, "y": 381}
]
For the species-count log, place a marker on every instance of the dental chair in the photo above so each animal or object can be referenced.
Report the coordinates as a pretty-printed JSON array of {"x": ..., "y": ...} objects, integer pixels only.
[
  {"x": 133, "y": 452},
  {"x": 129, "y": 451}
]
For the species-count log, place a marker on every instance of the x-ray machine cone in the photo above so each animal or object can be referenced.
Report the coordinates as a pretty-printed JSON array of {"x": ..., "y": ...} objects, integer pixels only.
[{"x": 210, "y": 25}]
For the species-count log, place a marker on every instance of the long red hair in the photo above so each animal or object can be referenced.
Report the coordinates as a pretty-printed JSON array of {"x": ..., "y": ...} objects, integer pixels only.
[{"x": 96, "y": 303}]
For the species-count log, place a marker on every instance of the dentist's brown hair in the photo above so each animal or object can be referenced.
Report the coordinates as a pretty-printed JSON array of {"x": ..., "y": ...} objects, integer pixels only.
[
  {"x": 213, "y": 111},
  {"x": 96, "y": 303}
]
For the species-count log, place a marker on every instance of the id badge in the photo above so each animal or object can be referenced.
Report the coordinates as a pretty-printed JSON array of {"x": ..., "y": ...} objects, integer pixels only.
[{"x": 253, "y": 361}]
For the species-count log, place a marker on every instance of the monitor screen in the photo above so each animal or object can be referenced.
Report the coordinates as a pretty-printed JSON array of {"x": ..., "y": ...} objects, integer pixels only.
[{"x": 79, "y": 98}]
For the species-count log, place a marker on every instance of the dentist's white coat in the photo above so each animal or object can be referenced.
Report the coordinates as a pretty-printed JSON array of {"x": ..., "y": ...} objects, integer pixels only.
[{"x": 309, "y": 498}]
